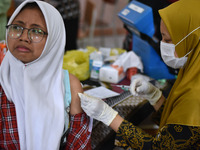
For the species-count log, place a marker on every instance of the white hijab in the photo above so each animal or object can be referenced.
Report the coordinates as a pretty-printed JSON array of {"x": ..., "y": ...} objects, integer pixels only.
[{"x": 37, "y": 89}]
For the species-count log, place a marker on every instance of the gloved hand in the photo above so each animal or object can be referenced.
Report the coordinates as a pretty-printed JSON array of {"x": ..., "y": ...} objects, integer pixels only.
[
  {"x": 141, "y": 87},
  {"x": 97, "y": 109}
]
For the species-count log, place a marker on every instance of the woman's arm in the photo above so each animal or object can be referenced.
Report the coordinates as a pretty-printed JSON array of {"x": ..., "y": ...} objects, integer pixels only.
[
  {"x": 79, "y": 136},
  {"x": 76, "y": 88},
  {"x": 115, "y": 124}
]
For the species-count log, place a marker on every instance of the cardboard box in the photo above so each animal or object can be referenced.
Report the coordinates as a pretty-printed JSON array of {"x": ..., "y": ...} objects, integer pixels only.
[{"x": 110, "y": 74}]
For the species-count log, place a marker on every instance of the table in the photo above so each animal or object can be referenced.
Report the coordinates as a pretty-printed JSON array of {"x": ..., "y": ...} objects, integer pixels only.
[{"x": 133, "y": 109}]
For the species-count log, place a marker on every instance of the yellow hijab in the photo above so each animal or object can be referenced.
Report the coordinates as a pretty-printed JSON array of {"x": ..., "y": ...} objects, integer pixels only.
[{"x": 183, "y": 103}]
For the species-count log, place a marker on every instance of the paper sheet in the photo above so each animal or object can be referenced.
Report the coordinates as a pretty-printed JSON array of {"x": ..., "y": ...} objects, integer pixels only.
[{"x": 101, "y": 92}]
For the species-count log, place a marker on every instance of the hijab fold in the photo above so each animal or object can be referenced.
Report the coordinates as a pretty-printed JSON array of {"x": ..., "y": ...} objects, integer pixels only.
[{"x": 37, "y": 88}]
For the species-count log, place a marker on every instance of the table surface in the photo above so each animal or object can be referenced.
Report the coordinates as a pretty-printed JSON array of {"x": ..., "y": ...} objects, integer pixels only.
[{"x": 134, "y": 109}]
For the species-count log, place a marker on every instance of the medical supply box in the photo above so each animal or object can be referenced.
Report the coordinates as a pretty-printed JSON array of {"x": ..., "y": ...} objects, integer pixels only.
[
  {"x": 138, "y": 16},
  {"x": 111, "y": 75}
]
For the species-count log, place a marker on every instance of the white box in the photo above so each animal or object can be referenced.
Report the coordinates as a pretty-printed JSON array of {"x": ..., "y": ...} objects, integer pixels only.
[{"x": 110, "y": 74}]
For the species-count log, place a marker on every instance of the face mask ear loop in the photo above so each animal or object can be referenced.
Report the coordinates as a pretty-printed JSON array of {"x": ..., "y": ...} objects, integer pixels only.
[
  {"x": 187, "y": 35},
  {"x": 188, "y": 53}
]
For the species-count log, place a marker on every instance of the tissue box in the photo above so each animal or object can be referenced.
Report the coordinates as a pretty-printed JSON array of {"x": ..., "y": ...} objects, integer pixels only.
[
  {"x": 138, "y": 16},
  {"x": 111, "y": 75}
]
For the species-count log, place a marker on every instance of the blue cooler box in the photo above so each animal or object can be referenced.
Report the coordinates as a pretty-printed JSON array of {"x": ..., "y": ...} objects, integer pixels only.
[
  {"x": 153, "y": 65},
  {"x": 138, "y": 16}
]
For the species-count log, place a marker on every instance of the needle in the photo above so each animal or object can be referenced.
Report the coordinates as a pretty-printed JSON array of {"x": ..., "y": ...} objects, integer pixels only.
[{"x": 123, "y": 87}]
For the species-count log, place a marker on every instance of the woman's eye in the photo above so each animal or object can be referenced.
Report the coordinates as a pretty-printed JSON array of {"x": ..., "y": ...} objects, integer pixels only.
[
  {"x": 167, "y": 41},
  {"x": 37, "y": 31},
  {"x": 16, "y": 28}
]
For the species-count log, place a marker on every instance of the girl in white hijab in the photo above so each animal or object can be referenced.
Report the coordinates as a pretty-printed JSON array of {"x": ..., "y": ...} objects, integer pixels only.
[{"x": 32, "y": 78}]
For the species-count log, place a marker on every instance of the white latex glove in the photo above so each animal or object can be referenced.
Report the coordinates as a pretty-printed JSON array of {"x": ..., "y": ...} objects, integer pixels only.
[
  {"x": 141, "y": 87},
  {"x": 97, "y": 109}
]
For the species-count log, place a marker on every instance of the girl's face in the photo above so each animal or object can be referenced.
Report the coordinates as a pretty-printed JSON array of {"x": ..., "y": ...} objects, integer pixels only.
[{"x": 23, "y": 48}]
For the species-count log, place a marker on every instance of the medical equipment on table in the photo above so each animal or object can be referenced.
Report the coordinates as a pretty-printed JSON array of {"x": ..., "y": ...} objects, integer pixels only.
[{"x": 123, "y": 87}]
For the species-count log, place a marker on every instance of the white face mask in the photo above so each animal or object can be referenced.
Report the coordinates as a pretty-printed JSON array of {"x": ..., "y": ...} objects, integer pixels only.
[
  {"x": 167, "y": 54},
  {"x": 168, "y": 51}
]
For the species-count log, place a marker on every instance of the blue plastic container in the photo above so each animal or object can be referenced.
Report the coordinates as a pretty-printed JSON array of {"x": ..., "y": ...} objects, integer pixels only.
[
  {"x": 153, "y": 65},
  {"x": 139, "y": 16}
]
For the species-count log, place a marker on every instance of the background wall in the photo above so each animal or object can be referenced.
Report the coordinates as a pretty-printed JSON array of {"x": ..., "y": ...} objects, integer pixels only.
[{"x": 109, "y": 11}]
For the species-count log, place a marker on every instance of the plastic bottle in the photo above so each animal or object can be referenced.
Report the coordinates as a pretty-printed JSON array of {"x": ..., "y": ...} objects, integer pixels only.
[{"x": 96, "y": 62}]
